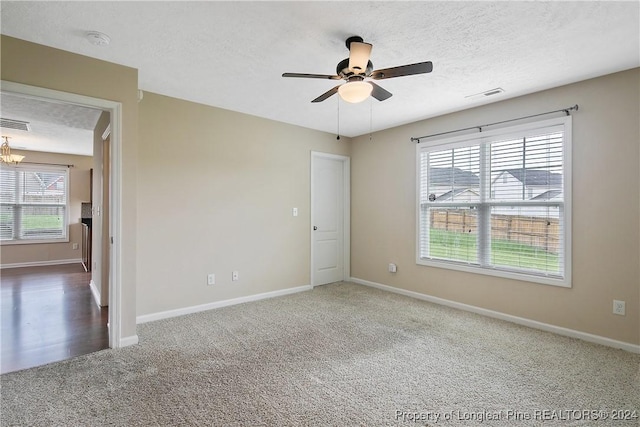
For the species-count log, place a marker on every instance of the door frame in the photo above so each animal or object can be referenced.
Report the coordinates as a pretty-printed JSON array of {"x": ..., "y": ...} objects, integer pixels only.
[
  {"x": 115, "y": 205},
  {"x": 346, "y": 229}
]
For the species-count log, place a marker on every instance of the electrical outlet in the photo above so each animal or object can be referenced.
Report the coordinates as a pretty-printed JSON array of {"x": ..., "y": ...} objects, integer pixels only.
[
  {"x": 618, "y": 307},
  {"x": 211, "y": 279},
  {"x": 234, "y": 276},
  {"x": 75, "y": 246},
  {"x": 393, "y": 268}
]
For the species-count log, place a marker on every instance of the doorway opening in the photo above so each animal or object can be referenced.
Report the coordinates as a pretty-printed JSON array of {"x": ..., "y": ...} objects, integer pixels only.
[{"x": 112, "y": 241}]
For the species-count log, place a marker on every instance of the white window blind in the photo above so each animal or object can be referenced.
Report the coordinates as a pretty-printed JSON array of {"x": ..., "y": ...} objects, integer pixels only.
[
  {"x": 33, "y": 203},
  {"x": 498, "y": 202}
]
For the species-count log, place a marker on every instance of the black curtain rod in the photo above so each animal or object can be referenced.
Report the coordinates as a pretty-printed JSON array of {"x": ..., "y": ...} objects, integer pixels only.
[
  {"x": 48, "y": 164},
  {"x": 565, "y": 110}
]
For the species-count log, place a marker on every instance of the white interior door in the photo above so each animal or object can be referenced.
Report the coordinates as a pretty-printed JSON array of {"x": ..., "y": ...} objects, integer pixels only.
[{"x": 328, "y": 218}]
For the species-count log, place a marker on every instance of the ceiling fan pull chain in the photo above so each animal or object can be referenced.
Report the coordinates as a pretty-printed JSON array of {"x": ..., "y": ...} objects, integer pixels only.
[
  {"x": 338, "y": 137},
  {"x": 370, "y": 119}
]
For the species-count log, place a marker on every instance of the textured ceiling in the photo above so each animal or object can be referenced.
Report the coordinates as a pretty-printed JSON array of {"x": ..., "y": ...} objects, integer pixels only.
[
  {"x": 232, "y": 54},
  {"x": 54, "y": 127}
]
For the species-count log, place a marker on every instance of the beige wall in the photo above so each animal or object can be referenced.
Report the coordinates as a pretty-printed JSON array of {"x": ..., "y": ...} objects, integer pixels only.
[
  {"x": 215, "y": 194},
  {"x": 224, "y": 202},
  {"x": 606, "y": 208},
  {"x": 78, "y": 193},
  {"x": 37, "y": 65}
]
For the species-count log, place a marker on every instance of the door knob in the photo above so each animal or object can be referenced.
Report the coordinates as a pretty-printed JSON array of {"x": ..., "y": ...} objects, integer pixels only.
[{"x": 315, "y": 228}]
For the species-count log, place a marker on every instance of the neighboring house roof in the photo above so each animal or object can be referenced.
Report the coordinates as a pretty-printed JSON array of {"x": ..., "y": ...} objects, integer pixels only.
[
  {"x": 548, "y": 195},
  {"x": 41, "y": 181},
  {"x": 52, "y": 185},
  {"x": 455, "y": 176},
  {"x": 450, "y": 195},
  {"x": 536, "y": 176}
]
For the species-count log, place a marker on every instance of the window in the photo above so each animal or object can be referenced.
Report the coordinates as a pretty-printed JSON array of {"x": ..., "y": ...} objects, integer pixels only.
[
  {"x": 498, "y": 202},
  {"x": 33, "y": 204}
]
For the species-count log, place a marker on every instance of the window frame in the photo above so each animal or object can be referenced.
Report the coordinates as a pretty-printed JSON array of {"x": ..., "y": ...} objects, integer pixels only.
[
  {"x": 67, "y": 205},
  {"x": 483, "y": 139}
]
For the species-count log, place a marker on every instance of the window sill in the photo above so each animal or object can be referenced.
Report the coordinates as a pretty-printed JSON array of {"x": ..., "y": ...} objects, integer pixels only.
[
  {"x": 470, "y": 268},
  {"x": 33, "y": 242}
]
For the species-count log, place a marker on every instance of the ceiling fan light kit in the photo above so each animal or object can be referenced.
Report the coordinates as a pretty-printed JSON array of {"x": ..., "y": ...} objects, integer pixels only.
[
  {"x": 357, "y": 70},
  {"x": 355, "y": 91}
]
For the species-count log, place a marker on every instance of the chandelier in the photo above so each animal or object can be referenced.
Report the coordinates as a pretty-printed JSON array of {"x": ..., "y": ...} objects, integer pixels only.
[{"x": 6, "y": 156}]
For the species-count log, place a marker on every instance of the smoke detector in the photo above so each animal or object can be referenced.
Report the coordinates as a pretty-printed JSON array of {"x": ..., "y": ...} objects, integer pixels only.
[{"x": 97, "y": 38}]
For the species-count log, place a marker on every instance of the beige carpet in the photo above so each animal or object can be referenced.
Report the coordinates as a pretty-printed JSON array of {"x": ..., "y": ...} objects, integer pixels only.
[{"x": 340, "y": 355}]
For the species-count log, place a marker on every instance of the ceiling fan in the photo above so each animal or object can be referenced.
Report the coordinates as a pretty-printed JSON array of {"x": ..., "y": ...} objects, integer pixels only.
[{"x": 357, "y": 70}]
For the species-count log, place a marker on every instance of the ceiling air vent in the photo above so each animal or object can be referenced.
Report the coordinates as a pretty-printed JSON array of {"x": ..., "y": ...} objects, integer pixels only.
[
  {"x": 493, "y": 92},
  {"x": 14, "y": 124},
  {"x": 485, "y": 94}
]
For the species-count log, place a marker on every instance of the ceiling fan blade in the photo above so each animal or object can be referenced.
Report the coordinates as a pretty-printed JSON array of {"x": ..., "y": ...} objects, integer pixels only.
[
  {"x": 312, "y": 76},
  {"x": 327, "y": 94},
  {"x": 403, "y": 70},
  {"x": 359, "y": 56},
  {"x": 379, "y": 93}
]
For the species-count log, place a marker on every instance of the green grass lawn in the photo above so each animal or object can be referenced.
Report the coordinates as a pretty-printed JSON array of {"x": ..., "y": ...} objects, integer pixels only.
[
  {"x": 452, "y": 245},
  {"x": 504, "y": 253},
  {"x": 30, "y": 222},
  {"x": 33, "y": 222}
]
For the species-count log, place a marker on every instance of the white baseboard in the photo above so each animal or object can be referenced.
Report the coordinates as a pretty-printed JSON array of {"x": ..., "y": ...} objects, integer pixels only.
[
  {"x": 218, "y": 304},
  {"x": 41, "y": 263},
  {"x": 127, "y": 341},
  {"x": 597, "y": 339},
  {"x": 95, "y": 292}
]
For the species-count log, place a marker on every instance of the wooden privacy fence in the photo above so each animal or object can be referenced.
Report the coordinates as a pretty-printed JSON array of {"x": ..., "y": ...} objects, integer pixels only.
[{"x": 539, "y": 232}]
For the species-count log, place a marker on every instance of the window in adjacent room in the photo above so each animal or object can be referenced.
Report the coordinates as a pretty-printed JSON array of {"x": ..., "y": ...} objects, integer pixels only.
[
  {"x": 33, "y": 204},
  {"x": 498, "y": 202}
]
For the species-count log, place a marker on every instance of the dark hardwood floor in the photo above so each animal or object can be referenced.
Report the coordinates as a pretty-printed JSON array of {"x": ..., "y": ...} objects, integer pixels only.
[{"x": 48, "y": 314}]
